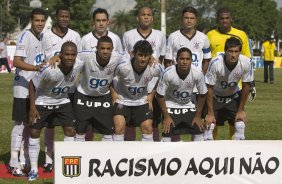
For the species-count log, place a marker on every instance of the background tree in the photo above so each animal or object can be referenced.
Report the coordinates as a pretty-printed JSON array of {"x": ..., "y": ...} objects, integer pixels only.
[{"x": 121, "y": 22}]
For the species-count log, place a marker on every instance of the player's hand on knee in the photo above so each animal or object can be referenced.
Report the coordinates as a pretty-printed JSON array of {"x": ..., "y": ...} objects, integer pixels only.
[
  {"x": 33, "y": 116},
  {"x": 167, "y": 124},
  {"x": 199, "y": 123},
  {"x": 241, "y": 116},
  {"x": 209, "y": 119}
]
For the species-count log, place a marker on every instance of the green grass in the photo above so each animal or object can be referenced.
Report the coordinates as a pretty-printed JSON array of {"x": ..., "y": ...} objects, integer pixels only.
[{"x": 264, "y": 117}]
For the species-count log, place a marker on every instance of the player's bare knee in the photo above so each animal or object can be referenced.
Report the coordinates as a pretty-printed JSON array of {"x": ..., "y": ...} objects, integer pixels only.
[
  {"x": 34, "y": 133},
  {"x": 69, "y": 131}
]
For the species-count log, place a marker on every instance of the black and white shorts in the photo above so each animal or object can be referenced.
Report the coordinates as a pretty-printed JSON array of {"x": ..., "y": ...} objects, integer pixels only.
[
  {"x": 62, "y": 114},
  {"x": 134, "y": 115},
  {"x": 182, "y": 118},
  {"x": 97, "y": 111},
  {"x": 20, "y": 109},
  {"x": 226, "y": 108}
]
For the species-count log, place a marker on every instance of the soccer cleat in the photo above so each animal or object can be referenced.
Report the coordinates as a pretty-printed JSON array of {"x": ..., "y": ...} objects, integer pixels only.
[
  {"x": 32, "y": 175},
  {"x": 252, "y": 94},
  {"x": 16, "y": 171},
  {"x": 48, "y": 168}
]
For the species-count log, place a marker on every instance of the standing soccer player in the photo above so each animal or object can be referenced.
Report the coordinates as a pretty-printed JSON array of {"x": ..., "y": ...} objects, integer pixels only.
[
  {"x": 52, "y": 42},
  {"x": 225, "y": 100},
  {"x": 218, "y": 37},
  {"x": 93, "y": 100},
  {"x": 49, "y": 100},
  {"x": 133, "y": 101},
  {"x": 100, "y": 23},
  {"x": 189, "y": 37},
  {"x": 174, "y": 92},
  {"x": 28, "y": 58},
  {"x": 157, "y": 39}
]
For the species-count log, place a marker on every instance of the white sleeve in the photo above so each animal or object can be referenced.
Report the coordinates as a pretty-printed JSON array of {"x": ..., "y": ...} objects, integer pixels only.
[{"x": 169, "y": 48}]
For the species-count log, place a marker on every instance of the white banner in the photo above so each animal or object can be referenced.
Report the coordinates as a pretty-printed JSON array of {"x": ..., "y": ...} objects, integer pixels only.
[{"x": 210, "y": 162}]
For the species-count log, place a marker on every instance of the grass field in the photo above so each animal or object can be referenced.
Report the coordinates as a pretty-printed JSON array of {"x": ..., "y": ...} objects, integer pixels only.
[{"x": 264, "y": 117}]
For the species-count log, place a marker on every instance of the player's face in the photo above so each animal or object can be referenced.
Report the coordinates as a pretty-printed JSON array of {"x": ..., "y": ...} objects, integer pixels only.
[
  {"x": 101, "y": 23},
  {"x": 232, "y": 55},
  {"x": 141, "y": 59},
  {"x": 145, "y": 18},
  {"x": 104, "y": 50},
  {"x": 189, "y": 20},
  {"x": 63, "y": 18},
  {"x": 68, "y": 56},
  {"x": 184, "y": 61},
  {"x": 38, "y": 23},
  {"x": 225, "y": 20}
]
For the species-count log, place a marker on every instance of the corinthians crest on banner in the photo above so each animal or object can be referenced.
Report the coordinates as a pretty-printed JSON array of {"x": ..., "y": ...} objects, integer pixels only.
[{"x": 71, "y": 166}]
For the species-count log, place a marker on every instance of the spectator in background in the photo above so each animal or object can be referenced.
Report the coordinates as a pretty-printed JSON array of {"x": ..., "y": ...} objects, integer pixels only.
[
  {"x": 4, "y": 54},
  {"x": 267, "y": 52}
]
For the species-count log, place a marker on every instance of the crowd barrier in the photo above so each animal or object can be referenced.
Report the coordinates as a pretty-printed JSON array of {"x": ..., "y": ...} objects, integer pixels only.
[{"x": 209, "y": 162}]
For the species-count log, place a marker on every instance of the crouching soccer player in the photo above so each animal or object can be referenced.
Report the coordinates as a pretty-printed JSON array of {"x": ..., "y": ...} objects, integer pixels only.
[
  {"x": 133, "y": 105},
  {"x": 174, "y": 96},
  {"x": 49, "y": 100},
  {"x": 225, "y": 100}
]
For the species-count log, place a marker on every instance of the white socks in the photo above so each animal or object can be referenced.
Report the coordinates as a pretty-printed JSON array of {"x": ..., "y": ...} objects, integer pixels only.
[
  {"x": 107, "y": 138},
  {"x": 34, "y": 148},
  {"x": 79, "y": 137},
  {"x": 198, "y": 137},
  {"x": 147, "y": 138},
  {"x": 239, "y": 130},
  {"x": 16, "y": 142},
  {"x": 166, "y": 139},
  {"x": 208, "y": 136},
  {"x": 118, "y": 137},
  {"x": 68, "y": 139}
]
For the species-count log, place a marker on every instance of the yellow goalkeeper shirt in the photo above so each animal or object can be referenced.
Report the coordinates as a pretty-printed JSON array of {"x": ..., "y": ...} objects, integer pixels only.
[{"x": 218, "y": 39}]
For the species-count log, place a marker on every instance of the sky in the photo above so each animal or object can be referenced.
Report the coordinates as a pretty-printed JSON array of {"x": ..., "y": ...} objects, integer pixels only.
[
  {"x": 279, "y": 3},
  {"x": 113, "y": 6}
]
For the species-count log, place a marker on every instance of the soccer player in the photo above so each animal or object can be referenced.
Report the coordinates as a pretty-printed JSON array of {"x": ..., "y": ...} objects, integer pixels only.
[
  {"x": 93, "y": 99},
  {"x": 156, "y": 38},
  {"x": 189, "y": 37},
  {"x": 225, "y": 100},
  {"x": 49, "y": 100},
  {"x": 174, "y": 91},
  {"x": 133, "y": 101},
  {"x": 218, "y": 37},
  {"x": 52, "y": 42},
  {"x": 90, "y": 40},
  {"x": 100, "y": 24},
  {"x": 28, "y": 58}
]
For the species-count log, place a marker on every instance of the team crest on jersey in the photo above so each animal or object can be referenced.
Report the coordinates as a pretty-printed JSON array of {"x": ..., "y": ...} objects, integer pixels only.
[
  {"x": 147, "y": 78},
  {"x": 196, "y": 45},
  {"x": 109, "y": 71},
  {"x": 71, "y": 166},
  {"x": 189, "y": 84},
  {"x": 72, "y": 78},
  {"x": 237, "y": 74},
  {"x": 153, "y": 43}
]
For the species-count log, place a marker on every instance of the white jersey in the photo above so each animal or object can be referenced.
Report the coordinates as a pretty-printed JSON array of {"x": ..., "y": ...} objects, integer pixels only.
[
  {"x": 29, "y": 48},
  {"x": 95, "y": 79},
  {"x": 198, "y": 44},
  {"x": 133, "y": 87},
  {"x": 3, "y": 50},
  {"x": 156, "y": 38},
  {"x": 52, "y": 86},
  {"x": 225, "y": 82},
  {"x": 90, "y": 41},
  {"x": 52, "y": 43},
  {"x": 178, "y": 92}
]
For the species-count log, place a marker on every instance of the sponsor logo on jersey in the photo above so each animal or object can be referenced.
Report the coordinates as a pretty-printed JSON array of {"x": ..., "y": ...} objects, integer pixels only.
[{"x": 71, "y": 166}]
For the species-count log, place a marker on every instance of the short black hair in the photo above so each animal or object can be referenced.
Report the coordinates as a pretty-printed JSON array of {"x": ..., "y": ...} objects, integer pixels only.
[
  {"x": 101, "y": 11},
  {"x": 139, "y": 11},
  {"x": 37, "y": 11},
  {"x": 183, "y": 49},
  {"x": 62, "y": 8},
  {"x": 104, "y": 39},
  {"x": 68, "y": 44},
  {"x": 232, "y": 42},
  {"x": 223, "y": 10},
  {"x": 143, "y": 46},
  {"x": 190, "y": 9}
]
